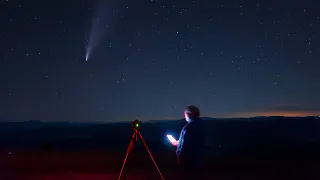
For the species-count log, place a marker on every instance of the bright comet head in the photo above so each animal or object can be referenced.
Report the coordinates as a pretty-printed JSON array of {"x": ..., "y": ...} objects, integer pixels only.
[{"x": 87, "y": 54}]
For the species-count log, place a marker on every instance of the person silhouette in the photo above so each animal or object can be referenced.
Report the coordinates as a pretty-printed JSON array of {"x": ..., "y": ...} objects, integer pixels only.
[{"x": 191, "y": 145}]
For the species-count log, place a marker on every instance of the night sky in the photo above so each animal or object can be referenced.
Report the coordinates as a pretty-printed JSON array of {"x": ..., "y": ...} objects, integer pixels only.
[{"x": 231, "y": 58}]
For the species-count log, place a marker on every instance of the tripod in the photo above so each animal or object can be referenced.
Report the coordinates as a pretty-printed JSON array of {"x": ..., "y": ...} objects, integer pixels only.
[{"x": 134, "y": 138}]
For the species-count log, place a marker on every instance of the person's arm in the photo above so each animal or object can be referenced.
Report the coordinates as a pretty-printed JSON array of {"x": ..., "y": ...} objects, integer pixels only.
[
  {"x": 179, "y": 143},
  {"x": 185, "y": 143}
]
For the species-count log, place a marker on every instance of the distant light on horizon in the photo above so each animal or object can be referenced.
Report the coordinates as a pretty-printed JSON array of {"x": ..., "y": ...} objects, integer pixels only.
[
  {"x": 270, "y": 113},
  {"x": 244, "y": 115}
]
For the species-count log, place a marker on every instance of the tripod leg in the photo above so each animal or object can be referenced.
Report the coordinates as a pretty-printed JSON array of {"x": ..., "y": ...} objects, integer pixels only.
[
  {"x": 147, "y": 148},
  {"x": 130, "y": 147}
]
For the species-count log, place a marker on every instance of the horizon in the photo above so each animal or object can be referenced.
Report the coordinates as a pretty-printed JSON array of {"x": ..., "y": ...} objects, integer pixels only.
[
  {"x": 75, "y": 74},
  {"x": 167, "y": 119}
]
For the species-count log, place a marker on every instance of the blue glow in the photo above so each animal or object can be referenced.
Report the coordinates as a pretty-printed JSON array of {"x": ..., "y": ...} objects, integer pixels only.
[{"x": 171, "y": 138}]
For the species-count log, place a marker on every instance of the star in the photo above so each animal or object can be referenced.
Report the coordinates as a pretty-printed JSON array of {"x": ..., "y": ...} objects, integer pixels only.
[{"x": 189, "y": 49}]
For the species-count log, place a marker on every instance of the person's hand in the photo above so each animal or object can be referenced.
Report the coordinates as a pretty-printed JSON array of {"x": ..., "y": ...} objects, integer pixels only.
[
  {"x": 172, "y": 140},
  {"x": 174, "y": 143}
]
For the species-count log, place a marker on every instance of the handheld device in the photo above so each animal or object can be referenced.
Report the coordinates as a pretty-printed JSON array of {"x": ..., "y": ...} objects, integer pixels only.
[{"x": 172, "y": 140}]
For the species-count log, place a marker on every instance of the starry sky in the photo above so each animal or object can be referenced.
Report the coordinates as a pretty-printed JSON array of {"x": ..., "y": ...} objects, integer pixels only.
[{"x": 231, "y": 58}]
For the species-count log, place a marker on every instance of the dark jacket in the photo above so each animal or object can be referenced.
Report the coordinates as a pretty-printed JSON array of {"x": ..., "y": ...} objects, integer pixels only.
[{"x": 191, "y": 144}]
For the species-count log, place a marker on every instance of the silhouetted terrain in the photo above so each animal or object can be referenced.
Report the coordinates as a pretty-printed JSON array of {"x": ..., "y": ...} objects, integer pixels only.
[
  {"x": 263, "y": 146},
  {"x": 227, "y": 134}
]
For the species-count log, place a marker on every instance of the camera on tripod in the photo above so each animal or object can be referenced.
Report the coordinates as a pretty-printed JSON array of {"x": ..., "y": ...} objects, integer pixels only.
[
  {"x": 134, "y": 138},
  {"x": 136, "y": 124}
]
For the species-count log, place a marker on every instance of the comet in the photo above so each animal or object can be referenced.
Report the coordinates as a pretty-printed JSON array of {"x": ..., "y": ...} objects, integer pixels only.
[
  {"x": 87, "y": 53},
  {"x": 102, "y": 15}
]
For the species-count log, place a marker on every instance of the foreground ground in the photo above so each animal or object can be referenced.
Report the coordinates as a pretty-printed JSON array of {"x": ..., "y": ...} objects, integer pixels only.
[{"x": 102, "y": 165}]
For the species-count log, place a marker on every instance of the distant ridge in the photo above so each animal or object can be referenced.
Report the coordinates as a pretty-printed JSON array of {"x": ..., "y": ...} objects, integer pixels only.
[
  {"x": 230, "y": 133},
  {"x": 67, "y": 123}
]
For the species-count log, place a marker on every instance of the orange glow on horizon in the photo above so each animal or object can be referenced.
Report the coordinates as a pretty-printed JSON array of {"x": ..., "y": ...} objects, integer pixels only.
[
  {"x": 247, "y": 115},
  {"x": 270, "y": 113}
]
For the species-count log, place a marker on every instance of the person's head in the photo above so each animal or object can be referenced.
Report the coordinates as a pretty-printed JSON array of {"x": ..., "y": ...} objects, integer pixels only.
[{"x": 191, "y": 113}]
